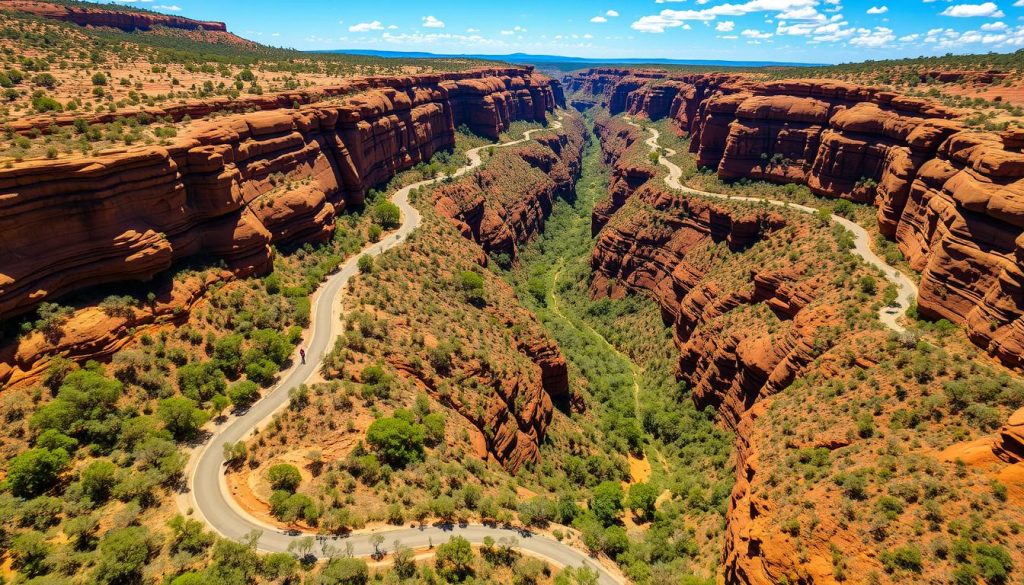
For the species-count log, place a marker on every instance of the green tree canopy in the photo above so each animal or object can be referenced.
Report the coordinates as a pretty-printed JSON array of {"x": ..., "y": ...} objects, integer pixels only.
[
  {"x": 35, "y": 471},
  {"x": 123, "y": 554},
  {"x": 642, "y": 498},
  {"x": 344, "y": 571},
  {"x": 181, "y": 416},
  {"x": 606, "y": 502},
  {"x": 85, "y": 408},
  {"x": 396, "y": 441},
  {"x": 385, "y": 214},
  {"x": 454, "y": 559},
  {"x": 200, "y": 381},
  {"x": 284, "y": 477}
]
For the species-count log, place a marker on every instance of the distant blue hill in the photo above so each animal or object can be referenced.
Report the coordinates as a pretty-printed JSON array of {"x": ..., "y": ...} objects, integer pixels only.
[{"x": 525, "y": 58}]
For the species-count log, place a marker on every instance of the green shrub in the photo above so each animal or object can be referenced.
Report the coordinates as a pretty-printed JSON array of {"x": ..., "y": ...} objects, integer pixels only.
[
  {"x": 454, "y": 560},
  {"x": 201, "y": 381},
  {"x": 284, "y": 477},
  {"x": 344, "y": 571},
  {"x": 243, "y": 393},
  {"x": 907, "y": 558},
  {"x": 606, "y": 502},
  {"x": 97, "y": 479},
  {"x": 35, "y": 471},
  {"x": 263, "y": 372},
  {"x": 365, "y": 264},
  {"x": 472, "y": 286},
  {"x": 397, "y": 442},
  {"x": 181, "y": 417},
  {"x": 385, "y": 214}
]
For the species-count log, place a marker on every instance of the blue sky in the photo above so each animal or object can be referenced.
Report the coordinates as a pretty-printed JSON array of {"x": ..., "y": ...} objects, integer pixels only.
[{"x": 780, "y": 30}]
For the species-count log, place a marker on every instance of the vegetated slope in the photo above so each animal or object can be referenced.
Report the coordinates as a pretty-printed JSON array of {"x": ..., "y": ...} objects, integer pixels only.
[
  {"x": 125, "y": 18},
  {"x": 107, "y": 446},
  {"x": 947, "y": 195},
  {"x": 235, "y": 186},
  {"x": 504, "y": 204},
  {"x": 776, "y": 329},
  {"x": 431, "y": 334},
  {"x": 460, "y": 349},
  {"x": 621, "y": 370}
]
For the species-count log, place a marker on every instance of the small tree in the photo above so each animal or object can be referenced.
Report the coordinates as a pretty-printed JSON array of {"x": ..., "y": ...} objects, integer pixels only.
[
  {"x": 365, "y": 264},
  {"x": 97, "y": 479},
  {"x": 344, "y": 571},
  {"x": 243, "y": 393},
  {"x": 454, "y": 559},
  {"x": 472, "y": 286},
  {"x": 181, "y": 417},
  {"x": 397, "y": 441},
  {"x": 385, "y": 214},
  {"x": 35, "y": 471},
  {"x": 284, "y": 477},
  {"x": 123, "y": 555},
  {"x": 606, "y": 502},
  {"x": 642, "y": 498},
  {"x": 99, "y": 79}
]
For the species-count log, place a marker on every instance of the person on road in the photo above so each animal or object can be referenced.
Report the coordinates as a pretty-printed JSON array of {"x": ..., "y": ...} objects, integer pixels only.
[{"x": 302, "y": 355}]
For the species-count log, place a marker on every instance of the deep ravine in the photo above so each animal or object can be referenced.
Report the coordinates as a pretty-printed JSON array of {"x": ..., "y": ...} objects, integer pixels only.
[{"x": 621, "y": 358}]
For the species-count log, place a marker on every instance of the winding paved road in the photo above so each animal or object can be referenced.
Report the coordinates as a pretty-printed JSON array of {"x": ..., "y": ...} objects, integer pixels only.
[
  {"x": 208, "y": 494},
  {"x": 905, "y": 288}
]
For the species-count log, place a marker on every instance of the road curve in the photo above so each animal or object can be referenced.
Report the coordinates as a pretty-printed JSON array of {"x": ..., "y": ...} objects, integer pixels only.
[
  {"x": 906, "y": 290},
  {"x": 208, "y": 495}
]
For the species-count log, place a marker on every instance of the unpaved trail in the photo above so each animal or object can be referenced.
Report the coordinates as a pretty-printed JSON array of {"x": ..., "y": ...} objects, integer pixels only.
[{"x": 906, "y": 290}]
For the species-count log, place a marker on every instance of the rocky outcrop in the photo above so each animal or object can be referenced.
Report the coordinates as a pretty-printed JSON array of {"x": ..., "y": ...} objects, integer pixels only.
[
  {"x": 646, "y": 249},
  {"x": 233, "y": 186},
  {"x": 1009, "y": 444},
  {"x": 505, "y": 203},
  {"x": 515, "y": 86},
  {"x": 624, "y": 151},
  {"x": 124, "y": 19},
  {"x": 950, "y": 197},
  {"x": 92, "y": 334}
]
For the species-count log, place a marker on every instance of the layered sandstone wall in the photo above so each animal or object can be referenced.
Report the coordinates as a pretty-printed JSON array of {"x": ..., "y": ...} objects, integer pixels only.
[
  {"x": 949, "y": 197},
  {"x": 233, "y": 186},
  {"x": 127, "y": 20},
  {"x": 504, "y": 204},
  {"x": 952, "y": 198},
  {"x": 519, "y": 85}
]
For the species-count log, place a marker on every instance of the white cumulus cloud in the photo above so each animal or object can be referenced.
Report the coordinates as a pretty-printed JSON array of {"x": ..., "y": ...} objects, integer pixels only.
[
  {"x": 986, "y": 9},
  {"x": 432, "y": 22},
  {"x": 366, "y": 26}
]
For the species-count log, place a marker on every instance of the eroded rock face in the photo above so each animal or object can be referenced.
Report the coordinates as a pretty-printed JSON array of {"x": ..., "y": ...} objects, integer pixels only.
[
  {"x": 951, "y": 198},
  {"x": 127, "y": 20},
  {"x": 624, "y": 151},
  {"x": 504, "y": 204},
  {"x": 235, "y": 185}
]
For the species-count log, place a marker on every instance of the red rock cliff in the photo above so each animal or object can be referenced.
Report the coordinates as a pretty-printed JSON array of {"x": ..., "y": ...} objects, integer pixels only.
[
  {"x": 127, "y": 20},
  {"x": 231, "y": 187},
  {"x": 951, "y": 198},
  {"x": 505, "y": 203}
]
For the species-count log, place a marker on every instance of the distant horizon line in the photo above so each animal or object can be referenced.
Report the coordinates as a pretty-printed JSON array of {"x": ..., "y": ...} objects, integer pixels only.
[{"x": 543, "y": 58}]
